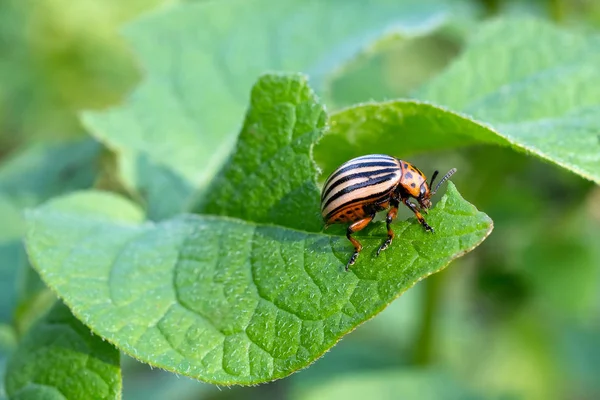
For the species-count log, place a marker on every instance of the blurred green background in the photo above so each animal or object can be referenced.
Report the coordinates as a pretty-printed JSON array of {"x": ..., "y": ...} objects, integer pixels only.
[{"x": 517, "y": 318}]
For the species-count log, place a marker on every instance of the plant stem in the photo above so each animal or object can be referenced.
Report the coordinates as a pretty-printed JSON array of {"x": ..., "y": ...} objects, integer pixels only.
[
  {"x": 424, "y": 343},
  {"x": 492, "y": 7},
  {"x": 557, "y": 10}
]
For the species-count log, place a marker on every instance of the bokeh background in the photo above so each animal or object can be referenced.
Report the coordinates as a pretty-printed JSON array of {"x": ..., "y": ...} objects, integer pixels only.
[{"x": 519, "y": 318}]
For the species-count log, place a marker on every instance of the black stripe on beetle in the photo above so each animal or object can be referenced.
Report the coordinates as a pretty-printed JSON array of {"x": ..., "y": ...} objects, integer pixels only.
[
  {"x": 365, "y": 164},
  {"x": 363, "y": 185},
  {"x": 357, "y": 175}
]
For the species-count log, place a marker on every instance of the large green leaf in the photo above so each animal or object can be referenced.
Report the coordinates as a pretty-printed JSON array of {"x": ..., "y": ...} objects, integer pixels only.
[
  {"x": 231, "y": 300},
  {"x": 400, "y": 128},
  {"x": 282, "y": 124},
  {"x": 176, "y": 130},
  {"x": 533, "y": 84},
  {"x": 520, "y": 83},
  {"x": 225, "y": 300},
  {"x": 60, "y": 359}
]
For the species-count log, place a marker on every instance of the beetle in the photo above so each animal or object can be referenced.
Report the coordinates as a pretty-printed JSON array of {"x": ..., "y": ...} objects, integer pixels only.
[{"x": 365, "y": 185}]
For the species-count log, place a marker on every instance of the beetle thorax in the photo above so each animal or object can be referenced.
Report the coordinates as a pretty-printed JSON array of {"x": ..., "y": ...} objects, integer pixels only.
[{"x": 412, "y": 179}]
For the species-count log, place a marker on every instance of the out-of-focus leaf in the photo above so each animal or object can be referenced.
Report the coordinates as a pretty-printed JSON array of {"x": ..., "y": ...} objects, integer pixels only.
[
  {"x": 531, "y": 82},
  {"x": 580, "y": 350},
  {"x": 28, "y": 177},
  {"x": 44, "y": 170},
  {"x": 59, "y": 358},
  {"x": 390, "y": 384},
  {"x": 177, "y": 129},
  {"x": 563, "y": 264},
  {"x": 8, "y": 342},
  {"x": 59, "y": 56},
  {"x": 142, "y": 382},
  {"x": 393, "y": 69},
  {"x": 543, "y": 104},
  {"x": 12, "y": 255}
]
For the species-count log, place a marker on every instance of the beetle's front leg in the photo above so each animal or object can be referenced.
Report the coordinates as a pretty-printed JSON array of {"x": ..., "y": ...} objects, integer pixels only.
[{"x": 414, "y": 209}]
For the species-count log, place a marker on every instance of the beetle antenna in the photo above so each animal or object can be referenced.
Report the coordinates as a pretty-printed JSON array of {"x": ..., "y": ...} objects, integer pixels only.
[
  {"x": 444, "y": 179},
  {"x": 435, "y": 173}
]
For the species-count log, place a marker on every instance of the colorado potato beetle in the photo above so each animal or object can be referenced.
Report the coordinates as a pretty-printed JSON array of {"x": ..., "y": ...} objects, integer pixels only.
[{"x": 365, "y": 185}]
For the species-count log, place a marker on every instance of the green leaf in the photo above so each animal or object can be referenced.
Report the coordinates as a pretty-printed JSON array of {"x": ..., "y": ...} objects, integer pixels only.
[
  {"x": 271, "y": 175},
  {"x": 545, "y": 106},
  {"x": 400, "y": 128},
  {"x": 208, "y": 56},
  {"x": 229, "y": 300},
  {"x": 225, "y": 300},
  {"x": 59, "y": 358},
  {"x": 219, "y": 284},
  {"x": 533, "y": 84}
]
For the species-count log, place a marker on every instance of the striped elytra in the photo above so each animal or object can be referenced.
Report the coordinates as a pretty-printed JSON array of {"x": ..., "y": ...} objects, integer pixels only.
[
  {"x": 365, "y": 185},
  {"x": 360, "y": 182}
]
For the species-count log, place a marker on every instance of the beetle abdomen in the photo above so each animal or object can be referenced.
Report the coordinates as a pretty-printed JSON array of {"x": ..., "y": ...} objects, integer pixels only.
[{"x": 361, "y": 182}]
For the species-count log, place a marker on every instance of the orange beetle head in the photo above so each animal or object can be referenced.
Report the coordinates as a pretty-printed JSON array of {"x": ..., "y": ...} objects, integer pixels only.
[{"x": 426, "y": 194}]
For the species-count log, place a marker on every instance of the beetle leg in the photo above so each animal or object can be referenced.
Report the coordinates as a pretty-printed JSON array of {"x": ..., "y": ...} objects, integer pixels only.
[
  {"x": 414, "y": 209},
  {"x": 355, "y": 227},
  {"x": 391, "y": 216}
]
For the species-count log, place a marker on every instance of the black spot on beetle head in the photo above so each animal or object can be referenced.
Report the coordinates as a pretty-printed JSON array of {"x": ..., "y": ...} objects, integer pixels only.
[{"x": 408, "y": 175}]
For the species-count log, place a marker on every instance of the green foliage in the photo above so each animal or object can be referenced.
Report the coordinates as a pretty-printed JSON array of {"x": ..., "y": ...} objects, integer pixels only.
[
  {"x": 394, "y": 67},
  {"x": 250, "y": 288},
  {"x": 544, "y": 104},
  {"x": 11, "y": 255},
  {"x": 59, "y": 56},
  {"x": 396, "y": 127},
  {"x": 60, "y": 359},
  {"x": 197, "y": 80},
  {"x": 236, "y": 300},
  {"x": 271, "y": 176},
  {"x": 27, "y": 178}
]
